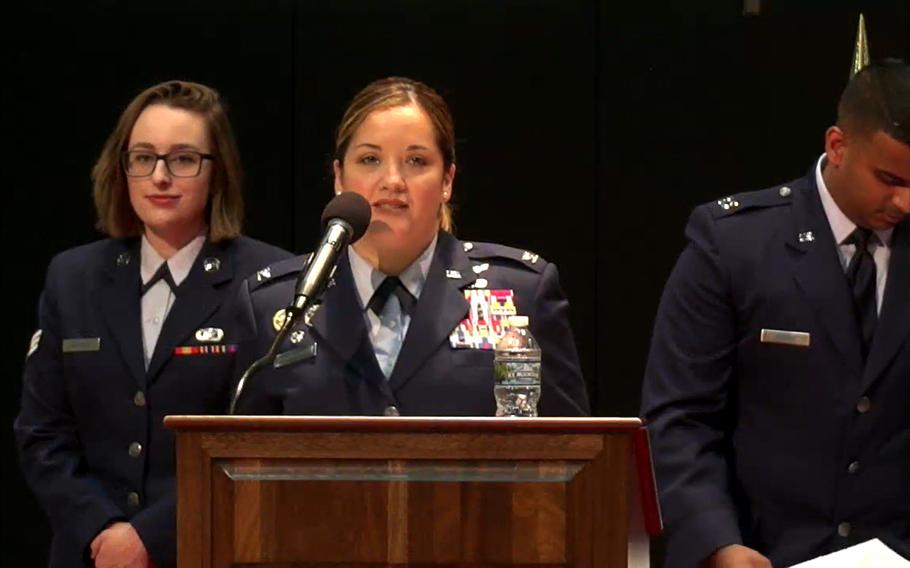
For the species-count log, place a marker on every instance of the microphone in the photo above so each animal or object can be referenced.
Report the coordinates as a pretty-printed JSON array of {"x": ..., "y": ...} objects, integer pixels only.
[{"x": 344, "y": 220}]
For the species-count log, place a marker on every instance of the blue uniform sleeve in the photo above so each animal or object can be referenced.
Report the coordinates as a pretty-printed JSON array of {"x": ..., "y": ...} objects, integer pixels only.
[
  {"x": 685, "y": 400},
  {"x": 563, "y": 391},
  {"x": 157, "y": 527},
  {"x": 50, "y": 451}
]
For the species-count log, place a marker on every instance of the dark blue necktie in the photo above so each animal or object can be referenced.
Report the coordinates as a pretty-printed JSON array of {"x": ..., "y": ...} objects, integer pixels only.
[
  {"x": 163, "y": 273},
  {"x": 392, "y": 285},
  {"x": 861, "y": 274}
]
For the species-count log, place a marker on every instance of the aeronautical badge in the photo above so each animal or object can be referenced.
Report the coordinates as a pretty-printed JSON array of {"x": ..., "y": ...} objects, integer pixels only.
[
  {"x": 34, "y": 343},
  {"x": 478, "y": 268},
  {"x": 209, "y": 335},
  {"x": 487, "y": 321},
  {"x": 529, "y": 256},
  {"x": 278, "y": 319}
]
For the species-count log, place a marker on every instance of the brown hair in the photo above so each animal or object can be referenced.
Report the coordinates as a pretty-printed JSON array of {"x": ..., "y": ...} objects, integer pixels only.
[
  {"x": 116, "y": 216},
  {"x": 394, "y": 92}
]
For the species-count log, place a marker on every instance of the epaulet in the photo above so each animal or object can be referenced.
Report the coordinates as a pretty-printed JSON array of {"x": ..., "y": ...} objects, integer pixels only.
[
  {"x": 770, "y": 197},
  {"x": 486, "y": 251},
  {"x": 277, "y": 271}
]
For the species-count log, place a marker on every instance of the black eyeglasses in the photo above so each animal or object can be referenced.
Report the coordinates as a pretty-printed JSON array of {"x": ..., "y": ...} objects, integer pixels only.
[{"x": 180, "y": 163}]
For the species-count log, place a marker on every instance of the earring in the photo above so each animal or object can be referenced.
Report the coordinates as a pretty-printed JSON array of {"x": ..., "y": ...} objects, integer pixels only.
[{"x": 445, "y": 193}]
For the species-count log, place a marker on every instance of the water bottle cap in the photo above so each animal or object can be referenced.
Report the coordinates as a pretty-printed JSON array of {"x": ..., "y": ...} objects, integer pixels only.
[{"x": 518, "y": 321}]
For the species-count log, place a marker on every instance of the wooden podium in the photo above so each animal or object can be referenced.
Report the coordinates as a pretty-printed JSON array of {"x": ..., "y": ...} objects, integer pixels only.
[{"x": 365, "y": 491}]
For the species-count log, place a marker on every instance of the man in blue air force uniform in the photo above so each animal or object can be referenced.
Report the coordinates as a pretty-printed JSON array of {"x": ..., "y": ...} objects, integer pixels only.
[
  {"x": 350, "y": 358},
  {"x": 777, "y": 390}
]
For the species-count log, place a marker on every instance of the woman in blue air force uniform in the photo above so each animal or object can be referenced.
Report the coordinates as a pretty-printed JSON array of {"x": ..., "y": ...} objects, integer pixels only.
[
  {"x": 396, "y": 332},
  {"x": 137, "y": 327}
]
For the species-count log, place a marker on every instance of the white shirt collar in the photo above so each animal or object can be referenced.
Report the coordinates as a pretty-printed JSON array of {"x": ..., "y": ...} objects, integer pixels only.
[
  {"x": 180, "y": 264},
  {"x": 367, "y": 278},
  {"x": 841, "y": 225}
]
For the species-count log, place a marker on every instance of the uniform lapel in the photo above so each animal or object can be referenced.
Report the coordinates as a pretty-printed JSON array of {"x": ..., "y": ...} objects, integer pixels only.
[
  {"x": 819, "y": 273},
  {"x": 119, "y": 303},
  {"x": 339, "y": 322},
  {"x": 440, "y": 308},
  {"x": 197, "y": 299},
  {"x": 894, "y": 317}
]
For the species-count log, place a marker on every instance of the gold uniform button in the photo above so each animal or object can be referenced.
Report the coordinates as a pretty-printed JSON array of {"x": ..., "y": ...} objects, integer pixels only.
[
  {"x": 139, "y": 398},
  {"x": 853, "y": 468},
  {"x": 133, "y": 499},
  {"x": 864, "y": 405},
  {"x": 844, "y": 529},
  {"x": 135, "y": 450},
  {"x": 391, "y": 411}
]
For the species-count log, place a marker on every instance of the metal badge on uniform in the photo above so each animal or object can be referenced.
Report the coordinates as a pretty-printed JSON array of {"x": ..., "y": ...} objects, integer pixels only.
[
  {"x": 478, "y": 268},
  {"x": 297, "y": 336},
  {"x": 783, "y": 337},
  {"x": 278, "y": 319},
  {"x": 81, "y": 344},
  {"x": 211, "y": 264},
  {"x": 264, "y": 274},
  {"x": 453, "y": 274},
  {"x": 209, "y": 334},
  {"x": 487, "y": 321},
  {"x": 34, "y": 343},
  {"x": 529, "y": 256},
  {"x": 480, "y": 283},
  {"x": 806, "y": 237}
]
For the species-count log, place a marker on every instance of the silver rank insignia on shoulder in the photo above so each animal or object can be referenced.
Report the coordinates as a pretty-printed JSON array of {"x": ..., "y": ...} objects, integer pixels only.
[
  {"x": 211, "y": 264},
  {"x": 297, "y": 336},
  {"x": 468, "y": 246},
  {"x": 209, "y": 334},
  {"x": 728, "y": 203},
  {"x": 480, "y": 283},
  {"x": 263, "y": 274},
  {"x": 481, "y": 268},
  {"x": 453, "y": 274},
  {"x": 278, "y": 319},
  {"x": 784, "y": 191},
  {"x": 34, "y": 343},
  {"x": 806, "y": 237},
  {"x": 123, "y": 259},
  {"x": 529, "y": 256}
]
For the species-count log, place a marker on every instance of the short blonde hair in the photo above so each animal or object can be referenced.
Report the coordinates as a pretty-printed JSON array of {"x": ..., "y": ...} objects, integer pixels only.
[
  {"x": 395, "y": 92},
  {"x": 116, "y": 216}
]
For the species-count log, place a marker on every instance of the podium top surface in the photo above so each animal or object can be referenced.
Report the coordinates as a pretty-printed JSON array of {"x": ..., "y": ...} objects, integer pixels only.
[{"x": 402, "y": 424}]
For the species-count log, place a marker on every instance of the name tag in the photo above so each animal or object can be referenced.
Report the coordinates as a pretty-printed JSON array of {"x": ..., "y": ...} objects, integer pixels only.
[
  {"x": 783, "y": 337},
  {"x": 81, "y": 344},
  {"x": 294, "y": 356}
]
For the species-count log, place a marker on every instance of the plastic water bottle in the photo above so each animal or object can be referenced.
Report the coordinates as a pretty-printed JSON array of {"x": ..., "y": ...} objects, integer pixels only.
[{"x": 516, "y": 368}]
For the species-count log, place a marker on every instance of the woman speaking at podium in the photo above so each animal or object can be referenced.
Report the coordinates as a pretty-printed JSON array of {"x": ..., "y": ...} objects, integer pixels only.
[
  {"x": 136, "y": 327},
  {"x": 407, "y": 324}
]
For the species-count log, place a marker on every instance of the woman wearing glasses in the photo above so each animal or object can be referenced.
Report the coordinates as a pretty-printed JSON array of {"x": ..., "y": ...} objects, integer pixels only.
[
  {"x": 408, "y": 326},
  {"x": 136, "y": 327}
]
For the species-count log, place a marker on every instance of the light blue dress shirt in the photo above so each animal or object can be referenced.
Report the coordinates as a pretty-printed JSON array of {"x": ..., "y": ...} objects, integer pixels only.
[{"x": 388, "y": 330}]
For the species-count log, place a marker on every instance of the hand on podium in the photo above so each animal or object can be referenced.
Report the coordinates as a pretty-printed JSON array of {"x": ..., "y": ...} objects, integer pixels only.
[
  {"x": 119, "y": 546},
  {"x": 736, "y": 556}
]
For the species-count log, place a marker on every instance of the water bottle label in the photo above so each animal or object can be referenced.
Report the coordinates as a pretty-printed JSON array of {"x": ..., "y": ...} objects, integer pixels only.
[{"x": 517, "y": 372}]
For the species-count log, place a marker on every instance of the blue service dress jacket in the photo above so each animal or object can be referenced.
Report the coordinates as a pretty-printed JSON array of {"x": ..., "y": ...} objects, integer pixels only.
[
  {"x": 791, "y": 445},
  {"x": 338, "y": 374},
  {"x": 91, "y": 440}
]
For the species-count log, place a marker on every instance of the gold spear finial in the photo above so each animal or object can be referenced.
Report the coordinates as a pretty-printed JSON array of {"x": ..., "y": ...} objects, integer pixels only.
[{"x": 860, "y": 48}]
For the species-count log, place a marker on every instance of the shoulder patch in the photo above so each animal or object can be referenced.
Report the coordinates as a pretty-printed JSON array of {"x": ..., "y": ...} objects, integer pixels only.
[
  {"x": 732, "y": 204},
  {"x": 277, "y": 271},
  {"x": 492, "y": 251}
]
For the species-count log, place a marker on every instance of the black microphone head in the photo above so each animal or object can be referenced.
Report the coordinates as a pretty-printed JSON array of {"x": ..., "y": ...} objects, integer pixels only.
[{"x": 351, "y": 208}]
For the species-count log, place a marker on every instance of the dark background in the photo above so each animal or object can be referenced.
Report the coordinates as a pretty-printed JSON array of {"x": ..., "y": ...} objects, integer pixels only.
[{"x": 587, "y": 130}]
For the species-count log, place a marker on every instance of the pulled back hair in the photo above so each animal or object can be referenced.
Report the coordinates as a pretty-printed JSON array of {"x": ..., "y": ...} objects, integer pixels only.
[
  {"x": 224, "y": 211},
  {"x": 878, "y": 99},
  {"x": 394, "y": 92}
]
